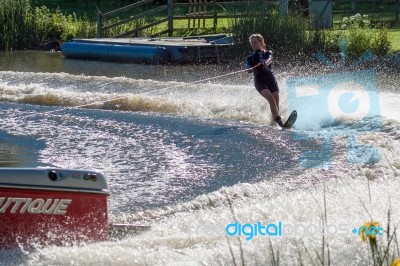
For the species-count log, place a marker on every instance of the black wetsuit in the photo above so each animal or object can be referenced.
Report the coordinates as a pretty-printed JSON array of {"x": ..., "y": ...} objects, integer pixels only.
[{"x": 263, "y": 76}]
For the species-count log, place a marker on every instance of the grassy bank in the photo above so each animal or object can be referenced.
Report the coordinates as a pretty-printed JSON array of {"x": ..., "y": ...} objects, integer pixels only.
[
  {"x": 28, "y": 25},
  {"x": 394, "y": 37}
]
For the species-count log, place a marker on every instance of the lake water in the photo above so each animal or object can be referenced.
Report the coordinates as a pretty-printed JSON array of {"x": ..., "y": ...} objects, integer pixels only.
[{"x": 189, "y": 155}]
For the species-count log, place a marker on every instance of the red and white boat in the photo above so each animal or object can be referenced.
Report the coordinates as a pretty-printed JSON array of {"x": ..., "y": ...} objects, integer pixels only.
[{"x": 52, "y": 206}]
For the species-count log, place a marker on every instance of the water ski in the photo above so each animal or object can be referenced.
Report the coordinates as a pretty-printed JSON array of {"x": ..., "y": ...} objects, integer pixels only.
[{"x": 291, "y": 120}]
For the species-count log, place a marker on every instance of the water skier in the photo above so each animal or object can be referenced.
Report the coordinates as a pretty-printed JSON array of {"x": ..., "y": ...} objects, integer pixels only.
[{"x": 264, "y": 80}]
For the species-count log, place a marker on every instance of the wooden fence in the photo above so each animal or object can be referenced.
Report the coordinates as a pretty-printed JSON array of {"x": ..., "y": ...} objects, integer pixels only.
[
  {"x": 198, "y": 12},
  {"x": 385, "y": 6}
]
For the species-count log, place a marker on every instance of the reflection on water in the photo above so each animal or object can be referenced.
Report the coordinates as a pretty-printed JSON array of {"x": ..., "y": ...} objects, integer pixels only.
[
  {"x": 18, "y": 151},
  {"x": 150, "y": 160},
  {"x": 50, "y": 62},
  {"x": 11, "y": 155}
]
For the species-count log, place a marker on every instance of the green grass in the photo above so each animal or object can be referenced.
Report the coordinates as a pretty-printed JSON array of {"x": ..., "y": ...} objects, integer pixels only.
[
  {"x": 365, "y": 7},
  {"x": 378, "y": 12},
  {"x": 394, "y": 36},
  {"x": 82, "y": 8}
]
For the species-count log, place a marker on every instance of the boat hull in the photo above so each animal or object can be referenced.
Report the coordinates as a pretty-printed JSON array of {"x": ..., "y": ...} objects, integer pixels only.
[{"x": 51, "y": 214}]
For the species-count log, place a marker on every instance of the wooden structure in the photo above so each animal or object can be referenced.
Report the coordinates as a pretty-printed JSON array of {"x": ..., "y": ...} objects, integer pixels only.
[
  {"x": 196, "y": 49},
  {"x": 198, "y": 12},
  {"x": 321, "y": 13}
]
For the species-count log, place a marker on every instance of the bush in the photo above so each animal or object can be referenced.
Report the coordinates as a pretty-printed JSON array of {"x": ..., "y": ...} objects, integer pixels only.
[
  {"x": 381, "y": 44},
  {"x": 289, "y": 36},
  {"x": 61, "y": 27},
  {"x": 292, "y": 38},
  {"x": 16, "y": 24},
  {"x": 361, "y": 36},
  {"x": 24, "y": 27}
]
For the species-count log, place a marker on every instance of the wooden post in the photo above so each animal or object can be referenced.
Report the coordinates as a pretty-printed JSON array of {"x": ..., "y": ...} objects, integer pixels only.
[
  {"x": 170, "y": 18},
  {"x": 189, "y": 12},
  {"x": 353, "y": 6},
  {"x": 398, "y": 11},
  {"x": 194, "y": 13},
  {"x": 204, "y": 13},
  {"x": 99, "y": 25},
  {"x": 199, "y": 14},
  {"x": 215, "y": 16},
  {"x": 283, "y": 7}
]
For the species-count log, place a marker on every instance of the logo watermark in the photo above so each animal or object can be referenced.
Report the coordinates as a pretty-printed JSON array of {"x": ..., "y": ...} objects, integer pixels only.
[
  {"x": 251, "y": 230},
  {"x": 280, "y": 229},
  {"x": 372, "y": 231},
  {"x": 342, "y": 104},
  {"x": 261, "y": 229}
]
